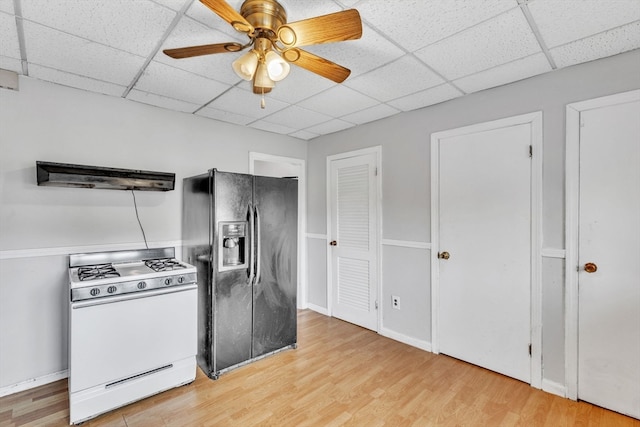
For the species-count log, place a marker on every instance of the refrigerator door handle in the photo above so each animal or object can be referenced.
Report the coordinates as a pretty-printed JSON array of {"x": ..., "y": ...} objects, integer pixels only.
[
  {"x": 251, "y": 246},
  {"x": 257, "y": 236}
]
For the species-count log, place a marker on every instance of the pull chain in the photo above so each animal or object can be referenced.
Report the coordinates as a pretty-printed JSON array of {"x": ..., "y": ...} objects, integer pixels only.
[{"x": 262, "y": 102}]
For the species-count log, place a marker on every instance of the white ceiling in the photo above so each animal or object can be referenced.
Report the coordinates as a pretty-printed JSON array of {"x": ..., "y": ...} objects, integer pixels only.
[{"x": 413, "y": 53}]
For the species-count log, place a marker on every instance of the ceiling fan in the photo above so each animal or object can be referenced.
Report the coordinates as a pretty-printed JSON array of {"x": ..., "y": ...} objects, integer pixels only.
[{"x": 275, "y": 43}]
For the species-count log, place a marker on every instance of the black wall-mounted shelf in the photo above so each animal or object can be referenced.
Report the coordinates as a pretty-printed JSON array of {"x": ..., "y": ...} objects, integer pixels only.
[{"x": 79, "y": 176}]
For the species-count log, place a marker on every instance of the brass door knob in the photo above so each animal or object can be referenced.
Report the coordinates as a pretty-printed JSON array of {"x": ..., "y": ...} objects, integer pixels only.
[
  {"x": 443, "y": 255},
  {"x": 333, "y": 243},
  {"x": 590, "y": 267}
]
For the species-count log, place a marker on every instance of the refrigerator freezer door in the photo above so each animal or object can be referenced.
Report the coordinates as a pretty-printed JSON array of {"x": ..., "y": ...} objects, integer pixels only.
[
  {"x": 274, "y": 305},
  {"x": 232, "y": 291},
  {"x": 196, "y": 250}
]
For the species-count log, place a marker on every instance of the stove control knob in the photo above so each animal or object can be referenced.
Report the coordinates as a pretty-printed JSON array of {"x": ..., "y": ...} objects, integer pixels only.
[
  {"x": 167, "y": 281},
  {"x": 181, "y": 279},
  {"x": 95, "y": 292},
  {"x": 142, "y": 285},
  {"x": 111, "y": 289}
]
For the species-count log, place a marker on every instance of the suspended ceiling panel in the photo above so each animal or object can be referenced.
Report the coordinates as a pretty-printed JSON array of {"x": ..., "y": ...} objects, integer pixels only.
[{"x": 412, "y": 54}]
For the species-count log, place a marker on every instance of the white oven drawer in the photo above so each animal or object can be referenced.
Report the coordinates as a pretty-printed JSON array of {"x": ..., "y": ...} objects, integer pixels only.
[{"x": 115, "y": 339}]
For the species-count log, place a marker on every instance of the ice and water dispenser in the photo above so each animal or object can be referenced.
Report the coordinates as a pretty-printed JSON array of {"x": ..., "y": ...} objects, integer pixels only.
[{"x": 232, "y": 246}]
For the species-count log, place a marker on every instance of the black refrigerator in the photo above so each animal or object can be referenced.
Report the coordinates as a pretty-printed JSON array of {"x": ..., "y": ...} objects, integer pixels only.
[{"x": 241, "y": 232}]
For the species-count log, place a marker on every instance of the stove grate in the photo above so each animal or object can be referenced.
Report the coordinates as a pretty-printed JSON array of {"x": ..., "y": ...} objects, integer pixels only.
[
  {"x": 164, "y": 264},
  {"x": 100, "y": 271}
]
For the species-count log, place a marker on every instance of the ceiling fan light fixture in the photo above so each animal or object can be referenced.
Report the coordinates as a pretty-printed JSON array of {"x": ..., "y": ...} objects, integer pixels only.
[
  {"x": 262, "y": 79},
  {"x": 245, "y": 66},
  {"x": 277, "y": 67}
]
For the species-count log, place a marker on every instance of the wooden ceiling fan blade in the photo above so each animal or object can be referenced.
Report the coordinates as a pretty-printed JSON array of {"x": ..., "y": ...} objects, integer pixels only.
[
  {"x": 229, "y": 14},
  {"x": 334, "y": 27},
  {"x": 207, "y": 49},
  {"x": 316, "y": 64}
]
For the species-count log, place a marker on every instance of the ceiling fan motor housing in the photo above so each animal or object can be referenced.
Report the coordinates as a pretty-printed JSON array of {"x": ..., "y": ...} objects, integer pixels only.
[{"x": 265, "y": 15}]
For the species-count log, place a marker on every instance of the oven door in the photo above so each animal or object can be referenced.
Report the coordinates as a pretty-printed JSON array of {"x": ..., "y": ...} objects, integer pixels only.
[{"x": 115, "y": 338}]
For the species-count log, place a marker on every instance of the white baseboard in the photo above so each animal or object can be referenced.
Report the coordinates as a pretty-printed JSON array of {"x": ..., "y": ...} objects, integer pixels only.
[
  {"x": 33, "y": 383},
  {"x": 318, "y": 309},
  {"x": 422, "y": 345},
  {"x": 554, "y": 388}
]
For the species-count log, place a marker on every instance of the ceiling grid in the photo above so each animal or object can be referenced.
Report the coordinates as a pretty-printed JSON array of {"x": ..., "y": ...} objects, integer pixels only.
[{"x": 412, "y": 54}]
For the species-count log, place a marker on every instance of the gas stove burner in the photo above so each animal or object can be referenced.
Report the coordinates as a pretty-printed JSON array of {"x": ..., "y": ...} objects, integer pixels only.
[
  {"x": 166, "y": 264},
  {"x": 93, "y": 272}
]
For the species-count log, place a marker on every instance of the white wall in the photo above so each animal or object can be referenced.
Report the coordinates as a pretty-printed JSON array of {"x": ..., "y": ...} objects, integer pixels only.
[
  {"x": 39, "y": 226},
  {"x": 405, "y": 141}
]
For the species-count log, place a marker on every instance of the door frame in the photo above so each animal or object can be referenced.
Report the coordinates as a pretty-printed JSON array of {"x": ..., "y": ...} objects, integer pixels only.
[
  {"x": 302, "y": 215},
  {"x": 377, "y": 150},
  {"x": 572, "y": 200},
  {"x": 535, "y": 121}
]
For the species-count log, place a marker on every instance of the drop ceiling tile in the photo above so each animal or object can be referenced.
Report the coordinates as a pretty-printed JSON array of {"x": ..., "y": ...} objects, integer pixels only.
[
  {"x": 11, "y": 64},
  {"x": 7, "y": 6},
  {"x": 417, "y": 23},
  {"x": 425, "y": 98},
  {"x": 587, "y": 17},
  {"x": 132, "y": 26},
  {"x": 494, "y": 42},
  {"x": 179, "y": 84},
  {"x": 360, "y": 56},
  {"x": 189, "y": 32},
  {"x": 378, "y": 112},
  {"x": 206, "y": 16},
  {"x": 246, "y": 103},
  {"x": 55, "y": 49},
  {"x": 74, "y": 80},
  {"x": 174, "y": 4},
  {"x": 338, "y": 101},
  {"x": 9, "y": 45},
  {"x": 303, "y": 134},
  {"x": 402, "y": 77},
  {"x": 300, "y": 84},
  {"x": 334, "y": 125},
  {"x": 506, "y": 73},
  {"x": 225, "y": 116},
  {"x": 349, "y": 3},
  {"x": 161, "y": 101},
  {"x": 272, "y": 127},
  {"x": 297, "y": 117},
  {"x": 604, "y": 44}
]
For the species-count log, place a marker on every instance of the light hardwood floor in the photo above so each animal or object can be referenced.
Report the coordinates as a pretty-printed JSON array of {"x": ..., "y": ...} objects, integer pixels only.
[{"x": 340, "y": 375}]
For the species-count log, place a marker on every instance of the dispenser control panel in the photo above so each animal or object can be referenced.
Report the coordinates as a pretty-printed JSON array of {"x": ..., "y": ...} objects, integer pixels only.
[{"x": 232, "y": 245}]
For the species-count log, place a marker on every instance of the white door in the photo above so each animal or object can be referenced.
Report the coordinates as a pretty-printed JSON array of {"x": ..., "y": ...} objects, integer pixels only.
[
  {"x": 352, "y": 232},
  {"x": 485, "y": 226},
  {"x": 609, "y": 258}
]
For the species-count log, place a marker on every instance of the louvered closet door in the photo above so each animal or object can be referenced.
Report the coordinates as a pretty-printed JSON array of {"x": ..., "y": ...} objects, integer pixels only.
[{"x": 353, "y": 225}]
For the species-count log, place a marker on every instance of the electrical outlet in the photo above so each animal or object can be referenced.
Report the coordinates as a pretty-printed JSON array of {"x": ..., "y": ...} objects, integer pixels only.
[{"x": 395, "y": 302}]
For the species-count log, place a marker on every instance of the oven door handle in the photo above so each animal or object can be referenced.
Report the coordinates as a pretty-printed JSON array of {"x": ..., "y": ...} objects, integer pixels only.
[{"x": 132, "y": 296}]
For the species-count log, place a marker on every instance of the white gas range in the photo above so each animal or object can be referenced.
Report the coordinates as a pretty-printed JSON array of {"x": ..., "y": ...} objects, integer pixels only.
[{"x": 132, "y": 328}]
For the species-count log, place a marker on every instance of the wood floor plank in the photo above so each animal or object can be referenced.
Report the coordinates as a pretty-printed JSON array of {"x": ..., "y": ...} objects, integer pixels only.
[{"x": 340, "y": 375}]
